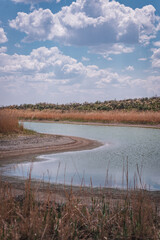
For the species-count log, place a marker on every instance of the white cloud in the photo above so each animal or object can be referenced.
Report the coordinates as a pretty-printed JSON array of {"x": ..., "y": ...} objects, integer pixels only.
[
  {"x": 150, "y": 83},
  {"x": 3, "y": 37},
  {"x": 106, "y": 79},
  {"x": 38, "y": 25},
  {"x": 84, "y": 59},
  {"x": 115, "y": 49},
  {"x": 41, "y": 60},
  {"x": 90, "y": 23},
  {"x": 54, "y": 69},
  {"x": 47, "y": 74},
  {"x": 17, "y": 45},
  {"x": 142, "y": 59},
  {"x": 130, "y": 68},
  {"x": 3, "y": 49},
  {"x": 156, "y": 58},
  {"x": 30, "y": 1},
  {"x": 109, "y": 59},
  {"x": 156, "y": 44}
]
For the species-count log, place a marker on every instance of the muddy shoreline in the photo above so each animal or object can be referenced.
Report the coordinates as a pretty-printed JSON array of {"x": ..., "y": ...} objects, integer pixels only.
[
  {"x": 60, "y": 193},
  {"x": 16, "y": 149},
  {"x": 156, "y": 126},
  {"x": 23, "y": 145},
  {"x": 23, "y": 148}
]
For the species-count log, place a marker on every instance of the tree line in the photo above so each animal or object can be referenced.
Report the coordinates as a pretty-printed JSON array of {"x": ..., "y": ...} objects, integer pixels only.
[{"x": 138, "y": 104}]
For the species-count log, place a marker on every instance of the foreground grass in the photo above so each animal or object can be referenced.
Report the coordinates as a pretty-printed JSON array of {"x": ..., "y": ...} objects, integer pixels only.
[
  {"x": 132, "y": 117},
  {"x": 26, "y": 217}
]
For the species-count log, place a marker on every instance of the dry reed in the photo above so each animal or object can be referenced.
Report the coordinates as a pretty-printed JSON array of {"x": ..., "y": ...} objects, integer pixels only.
[
  {"x": 24, "y": 217},
  {"x": 9, "y": 123},
  {"x": 131, "y": 117}
]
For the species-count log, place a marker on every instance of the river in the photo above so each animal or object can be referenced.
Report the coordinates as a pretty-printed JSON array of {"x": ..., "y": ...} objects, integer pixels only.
[{"x": 130, "y": 153}]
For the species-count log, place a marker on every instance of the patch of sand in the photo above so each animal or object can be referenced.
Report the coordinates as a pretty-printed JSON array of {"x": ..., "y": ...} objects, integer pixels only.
[{"x": 19, "y": 145}]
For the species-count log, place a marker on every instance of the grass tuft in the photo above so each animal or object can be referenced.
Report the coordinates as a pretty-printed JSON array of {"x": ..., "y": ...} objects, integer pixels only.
[{"x": 9, "y": 123}]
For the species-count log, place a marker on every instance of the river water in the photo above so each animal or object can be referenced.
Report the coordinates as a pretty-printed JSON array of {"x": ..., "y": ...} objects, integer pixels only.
[{"x": 127, "y": 153}]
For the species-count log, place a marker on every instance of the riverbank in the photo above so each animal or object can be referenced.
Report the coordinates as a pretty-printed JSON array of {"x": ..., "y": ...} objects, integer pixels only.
[
  {"x": 23, "y": 148},
  {"x": 19, "y": 145},
  {"x": 30, "y": 208},
  {"x": 156, "y": 126},
  {"x": 60, "y": 192},
  {"x": 18, "y": 148}
]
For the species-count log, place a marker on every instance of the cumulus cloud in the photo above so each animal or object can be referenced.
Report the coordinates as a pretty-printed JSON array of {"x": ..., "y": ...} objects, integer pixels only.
[
  {"x": 30, "y": 1},
  {"x": 51, "y": 65},
  {"x": 114, "y": 49},
  {"x": 150, "y": 83},
  {"x": 130, "y": 68},
  {"x": 39, "y": 25},
  {"x": 85, "y": 59},
  {"x": 54, "y": 71},
  {"x": 17, "y": 45},
  {"x": 90, "y": 23},
  {"x": 41, "y": 60},
  {"x": 3, "y": 49},
  {"x": 46, "y": 73},
  {"x": 156, "y": 44},
  {"x": 156, "y": 58},
  {"x": 3, "y": 37}
]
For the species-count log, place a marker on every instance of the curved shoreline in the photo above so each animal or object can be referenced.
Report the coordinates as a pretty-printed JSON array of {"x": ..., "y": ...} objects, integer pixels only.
[
  {"x": 15, "y": 146},
  {"x": 154, "y": 126},
  {"x": 53, "y": 144}
]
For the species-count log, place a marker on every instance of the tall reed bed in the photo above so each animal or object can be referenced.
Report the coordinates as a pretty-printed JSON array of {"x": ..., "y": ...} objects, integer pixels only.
[
  {"x": 9, "y": 122},
  {"x": 132, "y": 117},
  {"x": 26, "y": 217}
]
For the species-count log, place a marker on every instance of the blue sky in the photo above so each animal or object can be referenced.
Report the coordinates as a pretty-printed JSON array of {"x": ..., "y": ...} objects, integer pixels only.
[{"x": 62, "y": 51}]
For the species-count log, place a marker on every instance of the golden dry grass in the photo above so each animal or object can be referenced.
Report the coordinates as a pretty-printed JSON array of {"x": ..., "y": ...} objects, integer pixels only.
[
  {"x": 132, "y": 117},
  {"x": 25, "y": 217},
  {"x": 9, "y": 122}
]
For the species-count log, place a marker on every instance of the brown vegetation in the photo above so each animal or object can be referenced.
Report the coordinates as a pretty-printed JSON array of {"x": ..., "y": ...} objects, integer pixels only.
[
  {"x": 26, "y": 217},
  {"x": 132, "y": 117},
  {"x": 9, "y": 123}
]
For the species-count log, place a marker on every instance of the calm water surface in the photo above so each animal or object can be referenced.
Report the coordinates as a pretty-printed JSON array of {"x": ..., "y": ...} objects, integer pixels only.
[{"x": 106, "y": 165}]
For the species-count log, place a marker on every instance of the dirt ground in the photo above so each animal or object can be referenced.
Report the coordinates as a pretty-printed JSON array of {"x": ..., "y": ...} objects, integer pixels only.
[{"x": 18, "y": 145}]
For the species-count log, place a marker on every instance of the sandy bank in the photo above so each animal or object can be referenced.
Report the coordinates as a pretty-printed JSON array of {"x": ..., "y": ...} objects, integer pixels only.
[
  {"x": 42, "y": 143},
  {"x": 156, "y": 126}
]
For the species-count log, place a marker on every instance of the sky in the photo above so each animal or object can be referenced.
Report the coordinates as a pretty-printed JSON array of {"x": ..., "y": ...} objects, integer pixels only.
[{"x": 64, "y": 51}]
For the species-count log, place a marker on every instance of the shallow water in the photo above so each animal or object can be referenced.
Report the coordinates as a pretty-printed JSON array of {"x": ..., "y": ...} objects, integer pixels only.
[{"x": 106, "y": 165}]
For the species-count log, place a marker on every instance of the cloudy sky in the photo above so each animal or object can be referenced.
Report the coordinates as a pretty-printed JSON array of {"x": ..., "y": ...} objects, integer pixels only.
[{"x": 62, "y": 51}]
